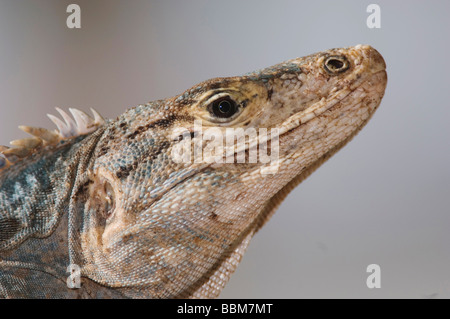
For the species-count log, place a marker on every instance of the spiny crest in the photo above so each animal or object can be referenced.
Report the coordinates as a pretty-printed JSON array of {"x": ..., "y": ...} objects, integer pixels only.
[{"x": 80, "y": 124}]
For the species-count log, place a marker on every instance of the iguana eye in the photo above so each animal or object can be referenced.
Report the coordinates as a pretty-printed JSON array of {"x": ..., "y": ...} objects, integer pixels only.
[
  {"x": 336, "y": 64},
  {"x": 224, "y": 107}
]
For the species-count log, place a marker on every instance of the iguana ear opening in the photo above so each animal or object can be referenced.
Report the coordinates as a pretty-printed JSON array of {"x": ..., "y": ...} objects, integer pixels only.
[
  {"x": 102, "y": 200},
  {"x": 96, "y": 205}
]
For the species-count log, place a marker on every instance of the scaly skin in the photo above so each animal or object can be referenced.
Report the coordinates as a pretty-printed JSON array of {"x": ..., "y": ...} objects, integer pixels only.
[{"x": 110, "y": 197}]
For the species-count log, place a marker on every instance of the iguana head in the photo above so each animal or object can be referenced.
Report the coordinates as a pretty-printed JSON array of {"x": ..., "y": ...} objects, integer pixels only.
[{"x": 169, "y": 224}]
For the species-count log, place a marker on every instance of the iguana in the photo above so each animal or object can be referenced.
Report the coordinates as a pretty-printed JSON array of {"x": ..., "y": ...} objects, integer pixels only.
[{"x": 110, "y": 203}]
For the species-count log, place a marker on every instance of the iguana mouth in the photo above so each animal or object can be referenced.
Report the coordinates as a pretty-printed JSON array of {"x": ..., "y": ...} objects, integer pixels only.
[{"x": 358, "y": 92}]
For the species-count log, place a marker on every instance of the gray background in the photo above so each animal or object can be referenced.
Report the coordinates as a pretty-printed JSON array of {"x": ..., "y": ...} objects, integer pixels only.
[{"x": 383, "y": 199}]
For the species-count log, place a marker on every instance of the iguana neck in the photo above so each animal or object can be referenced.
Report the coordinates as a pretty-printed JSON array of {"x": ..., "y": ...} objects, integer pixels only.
[{"x": 34, "y": 209}]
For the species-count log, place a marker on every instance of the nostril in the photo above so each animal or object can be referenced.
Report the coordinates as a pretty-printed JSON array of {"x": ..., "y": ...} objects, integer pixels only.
[{"x": 336, "y": 64}]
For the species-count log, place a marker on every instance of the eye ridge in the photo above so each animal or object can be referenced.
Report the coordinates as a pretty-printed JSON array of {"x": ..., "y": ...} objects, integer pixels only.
[{"x": 224, "y": 107}]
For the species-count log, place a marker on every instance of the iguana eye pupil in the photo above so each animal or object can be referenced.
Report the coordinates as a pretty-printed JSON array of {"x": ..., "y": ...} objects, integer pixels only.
[{"x": 224, "y": 107}]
